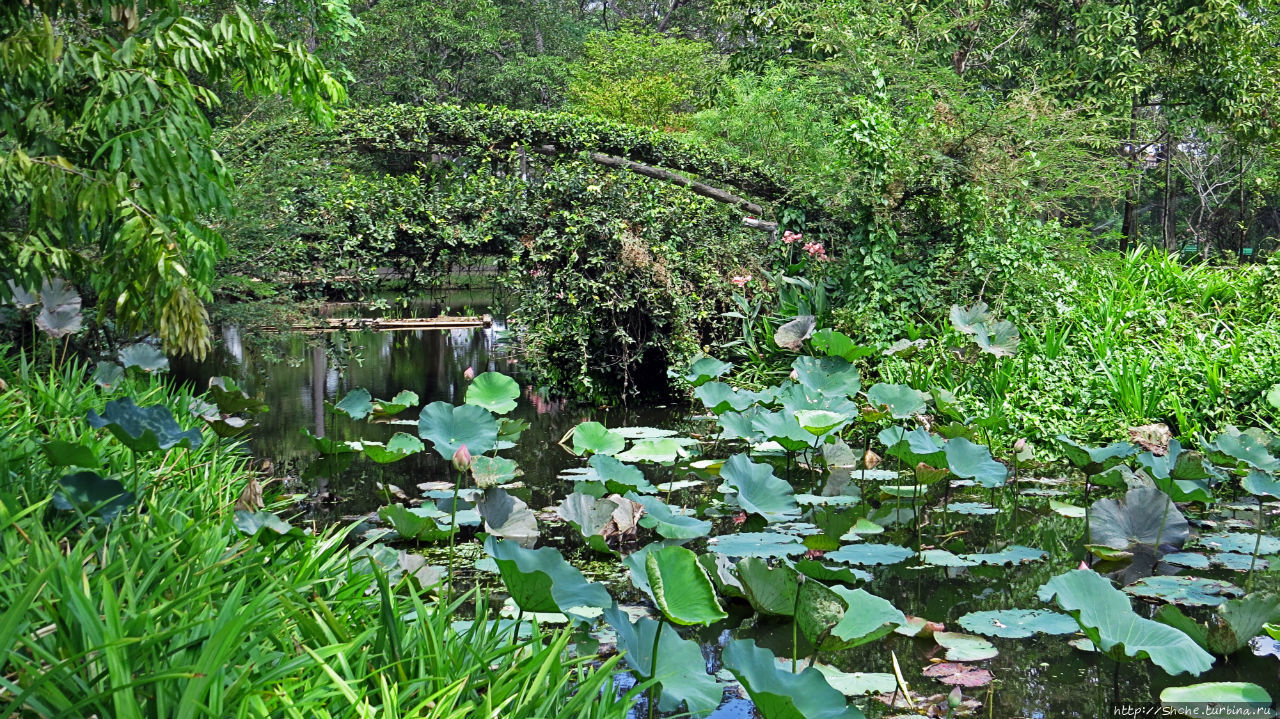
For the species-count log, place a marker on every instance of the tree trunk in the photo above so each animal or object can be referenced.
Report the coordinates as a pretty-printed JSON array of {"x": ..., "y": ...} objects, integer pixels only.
[
  {"x": 1129, "y": 229},
  {"x": 1168, "y": 220}
]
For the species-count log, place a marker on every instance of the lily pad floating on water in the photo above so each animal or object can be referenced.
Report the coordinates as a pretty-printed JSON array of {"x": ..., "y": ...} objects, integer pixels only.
[
  {"x": 1018, "y": 623},
  {"x": 857, "y": 684},
  {"x": 1238, "y": 562},
  {"x": 757, "y": 490},
  {"x": 1013, "y": 554},
  {"x": 1239, "y": 542},
  {"x": 965, "y": 647},
  {"x": 1066, "y": 509},
  {"x": 973, "y": 508},
  {"x": 780, "y": 694},
  {"x": 1145, "y": 517},
  {"x": 869, "y": 554},
  {"x": 680, "y": 669},
  {"x": 493, "y": 391},
  {"x": 144, "y": 429},
  {"x": 1187, "y": 591},
  {"x": 643, "y": 432},
  {"x": 960, "y": 675},
  {"x": 756, "y": 544},
  {"x": 1209, "y": 700},
  {"x": 1191, "y": 560},
  {"x": 1109, "y": 622},
  {"x": 448, "y": 428}
]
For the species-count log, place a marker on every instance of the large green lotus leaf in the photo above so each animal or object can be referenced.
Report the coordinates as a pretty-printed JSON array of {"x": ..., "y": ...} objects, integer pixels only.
[
  {"x": 265, "y": 525},
  {"x": 1094, "y": 459},
  {"x": 635, "y": 563},
  {"x": 1187, "y": 591},
  {"x": 660, "y": 517},
  {"x": 1179, "y": 474},
  {"x": 792, "y": 335},
  {"x": 1018, "y": 623},
  {"x": 386, "y": 408},
  {"x": 508, "y": 516},
  {"x": 866, "y": 619},
  {"x": 424, "y": 524},
  {"x": 144, "y": 429},
  {"x": 492, "y": 471},
  {"x": 61, "y": 453},
  {"x": 902, "y": 401},
  {"x": 869, "y": 554},
  {"x": 1121, "y": 477},
  {"x": 973, "y": 461},
  {"x": 230, "y": 399},
  {"x": 815, "y": 569},
  {"x": 856, "y": 684},
  {"x": 837, "y": 344},
  {"x": 1261, "y": 484},
  {"x": 1105, "y": 615},
  {"x": 590, "y": 516},
  {"x": 999, "y": 339},
  {"x": 92, "y": 495},
  {"x": 967, "y": 319},
  {"x": 449, "y": 428},
  {"x": 769, "y": 590},
  {"x": 1237, "y": 621},
  {"x": 617, "y": 476},
  {"x": 681, "y": 669},
  {"x": 1215, "y": 699},
  {"x": 357, "y": 405},
  {"x": 965, "y": 647},
  {"x": 706, "y": 369},
  {"x": 820, "y": 421},
  {"x": 720, "y": 569},
  {"x": 1144, "y": 517},
  {"x": 741, "y": 425},
  {"x": 509, "y": 429},
  {"x": 782, "y": 427},
  {"x": 818, "y": 611},
  {"x": 108, "y": 375},
  {"x": 60, "y": 309},
  {"x": 913, "y": 447},
  {"x": 719, "y": 397},
  {"x": 779, "y": 694},
  {"x": 828, "y": 375},
  {"x": 493, "y": 391},
  {"x": 540, "y": 580},
  {"x": 1013, "y": 554},
  {"x": 1250, "y": 448},
  {"x": 1240, "y": 543},
  {"x": 681, "y": 588},
  {"x": 796, "y": 398},
  {"x": 757, "y": 490},
  {"x": 400, "y": 445},
  {"x": 974, "y": 508},
  {"x": 756, "y": 544},
  {"x": 668, "y": 449}
]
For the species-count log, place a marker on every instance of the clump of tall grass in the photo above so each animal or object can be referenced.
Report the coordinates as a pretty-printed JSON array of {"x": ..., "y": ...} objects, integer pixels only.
[{"x": 171, "y": 611}]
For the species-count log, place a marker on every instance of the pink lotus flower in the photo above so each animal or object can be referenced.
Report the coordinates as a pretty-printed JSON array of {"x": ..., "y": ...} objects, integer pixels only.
[
  {"x": 462, "y": 459},
  {"x": 1082, "y": 565},
  {"x": 795, "y": 376},
  {"x": 468, "y": 374},
  {"x": 741, "y": 280}
]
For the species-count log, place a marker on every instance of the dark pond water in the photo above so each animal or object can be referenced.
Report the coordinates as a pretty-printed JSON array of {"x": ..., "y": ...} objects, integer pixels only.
[{"x": 1036, "y": 678}]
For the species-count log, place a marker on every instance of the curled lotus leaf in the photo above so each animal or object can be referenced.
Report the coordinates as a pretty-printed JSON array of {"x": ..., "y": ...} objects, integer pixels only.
[
  {"x": 509, "y": 517},
  {"x": 400, "y": 445},
  {"x": 540, "y": 580},
  {"x": 999, "y": 339},
  {"x": 757, "y": 490},
  {"x": 1261, "y": 484},
  {"x": 230, "y": 399},
  {"x": 1094, "y": 460},
  {"x": 678, "y": 665},
  {"x": 681, "y": 588},
  {"x": 386, "y": 408},
  {"x": 719, "y": 397},
  {"x": 424, "y": 524},
  {"x": 144, "y": 429},
  {"x": 913, "y": 447},
  {"x": 265, "y": 525},
  {"x": 783, "y": 427},
  {"x": 779, "y": 694},
  {"x": 662, "y": 518},
  {"x": 706, "y": 369},
  {"x": 493, "y": 471},
  {"x": 815, "y": 569},
  {"x": 967, "y": 319},
  {"x": 616, "y": 475},
  {"x": 62, "y": 453},
  {"x": 144, "y": 357},
  {"x": 770, "y": 589},
  {"x": 865, "y": 619},
  {"x": 108, "y": 375},
  {"x": 357, "y": 404},
  {"x": 905, "y": 348},
  {"x": 1018, "y": 623},
  {"x": 792, "y": 335},
  {"x": 902, "y": 400},
  {"x": 60, "y": 313},
  {"x": 974, "y": 461},
  {"x": 1251, "y": 448}
]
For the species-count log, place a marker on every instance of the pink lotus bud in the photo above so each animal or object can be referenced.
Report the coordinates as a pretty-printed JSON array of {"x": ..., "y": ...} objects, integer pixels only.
[
  {"x": 1082, "y": 565},
  {"x": 1020, "y": 445},
  {"x": 795, "y": 375},
  {"x": 462, "y": 459},
  {"x": 468, "y": 374}
]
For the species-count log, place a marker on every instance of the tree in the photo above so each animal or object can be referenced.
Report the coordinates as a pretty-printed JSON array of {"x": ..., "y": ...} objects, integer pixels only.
[{"x": 108, "y": 173}]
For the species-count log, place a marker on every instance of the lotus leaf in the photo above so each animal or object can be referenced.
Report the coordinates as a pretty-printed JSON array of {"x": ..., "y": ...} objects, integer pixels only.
[
  {"x": 783, "y": 428},
  {"x": 869, "y": 554},
  {"x": 61, "y": 453},
  {"x": 756, "y": 544},
  {"x": 913, "y": 447},
  {"x": 815, "y": 569},
  {"x": 757, "y": 490},
  {"x": 1209, "y": 700},
  {"x": 772, "y": 590},
  {"x": 424, "y": 524},
  {"x": 862, "y": 526},
  {"x": 706, "y": 369},
  {"x": 1240, "y": 543},
  {"x": 230, "y": 399},
  {"x": 864, "y": 619},
  {"x": 108, "y": 375},
  {"x": 1188, "y": 591},
  {"x": 493, "y": 391},
  {"x": 449, "y": 428},
  {"x": 839, "y": 500},
  {"x": 1066, "y": 509},
  {"x": 974, "y": 461},
  {"x": 719, "y": 397},
  {"x": 820, "y": 421},
  {"x": 1261, "y": 484},
  {"x": 962, "y": 675},
  {"x": 741, "y": 425},
  {"x": 92, "y": 495},
  {"x": 660, "y": 517},
  {"x": 1145, "y": 517},
  {"x": 655, "y": 450},
  {"x": 60, "y": 309},
  {"x": 904, "y": 348},
  {"x": 681, "y": 588},
  {"x": 1191, "y": 560},
  {"x": 998, "y": 338},
  {"x": 967, "y": 319},
  {"x": 681, "y": 670},
  {"x": 509, "y": 517},
  {"x": 492, "y": 471},
  {"x": 1094, "y": 460},
  {"x": 974, "y": 508},
  {"x": 357, "y": 405},
  {"x": 1109, "y": 622},
  {"x": 856, "y": 684},
  {"x": 590, "y": 516},
  {"x": 1121, "y": 477},
  {"x": 837, "y": 344},
  {"x": 1250, "y": 448},
  {"x": 779, "y": 694},
  {"x": 902, "y": 401},
  {"x": 144, "y": 429},
  {"x": 400, "y": 445},
  {"x": 263, "y": 525},
  {"x": 540, "y": 580},
  {"x": 792, "y": 335},
  {"x": 965, "y": 647},
  {"x": 1018, "y": 623},
  {"x": 830, "y": 376}
]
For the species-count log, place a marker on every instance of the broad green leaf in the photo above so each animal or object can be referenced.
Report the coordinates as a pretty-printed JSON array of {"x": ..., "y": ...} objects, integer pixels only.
[
  {"x": 913, "y": 447},
  {"x": 770, "y": 590},
  {"x": 1216, "y": 699},
  {"x": 654, "y": 450},
  {"x": 1249, "y": 448},
  {"x": 757, "y": 490},
  {"x": 424, "y": 524},
  {"x": 1018, "y": 623},
  {"x": 493, "y": 391},
  {"x": 1187, "y": 591},
  {"x": 973, "y": 461},
  {"x": 590, "y": 516},
  {"x": 681, "y": 589},
  {"x": 492, "y": 471},
  {"x": 828, "y": 375},
  {"x": 1108, "y": 620},
  {"x": 837, "y": 344},
  {"x": 448, "y": 428},
  {"x": 60, "y": 310},
  {"x": 660, "y": 517},
  {"x": 144, "y": 357},
  {"x": 902, "y": 400},
  {"x": 596, "y": 438},
  {"x": 230, "y": 399},
  {"x": 400, "y": 445},
  {"x": 967, "y": 319},
  {"x": 1261, "y": 484},
  {"x": 357, "y": 405},
  {"x": 681, "y": 670},
  {"x": 108, "y": 375},
  {"x": 857, "y": 684},
  {"x": 756, "y": 544},
  {"x": 92, "y": 495},
  {"x": 719, "y": 397},
  {"x": 706, "y": 369},
  {"x": 540, "y": 580},
  {"x": 999, "y": 339},
  {"x": 865, "y": 619},
  {"x": 384, "y": 408},
  {"x": 1240, "y": 543},
  {"x": 779, "y": 694},
  {"x": 1094, "y": 460},
  {"x": 264, "y": 525},
  {"x": 144, "y": 429},
  {"x": 819, "y": 421},
  {"x": 869, "y": 554},
  {"x": 617, "y": 476},
  {"x": 782, "y": 427},
  {"x": 508, "y": 516},
  {"x": 61, "y": 453},
  {"x": 965, "y": 647},
  {"x": 1145, "y": 516}
]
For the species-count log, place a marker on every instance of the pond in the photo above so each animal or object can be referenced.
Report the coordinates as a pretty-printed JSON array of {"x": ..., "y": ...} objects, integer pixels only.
[{"x": 1042, "y": 676}]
